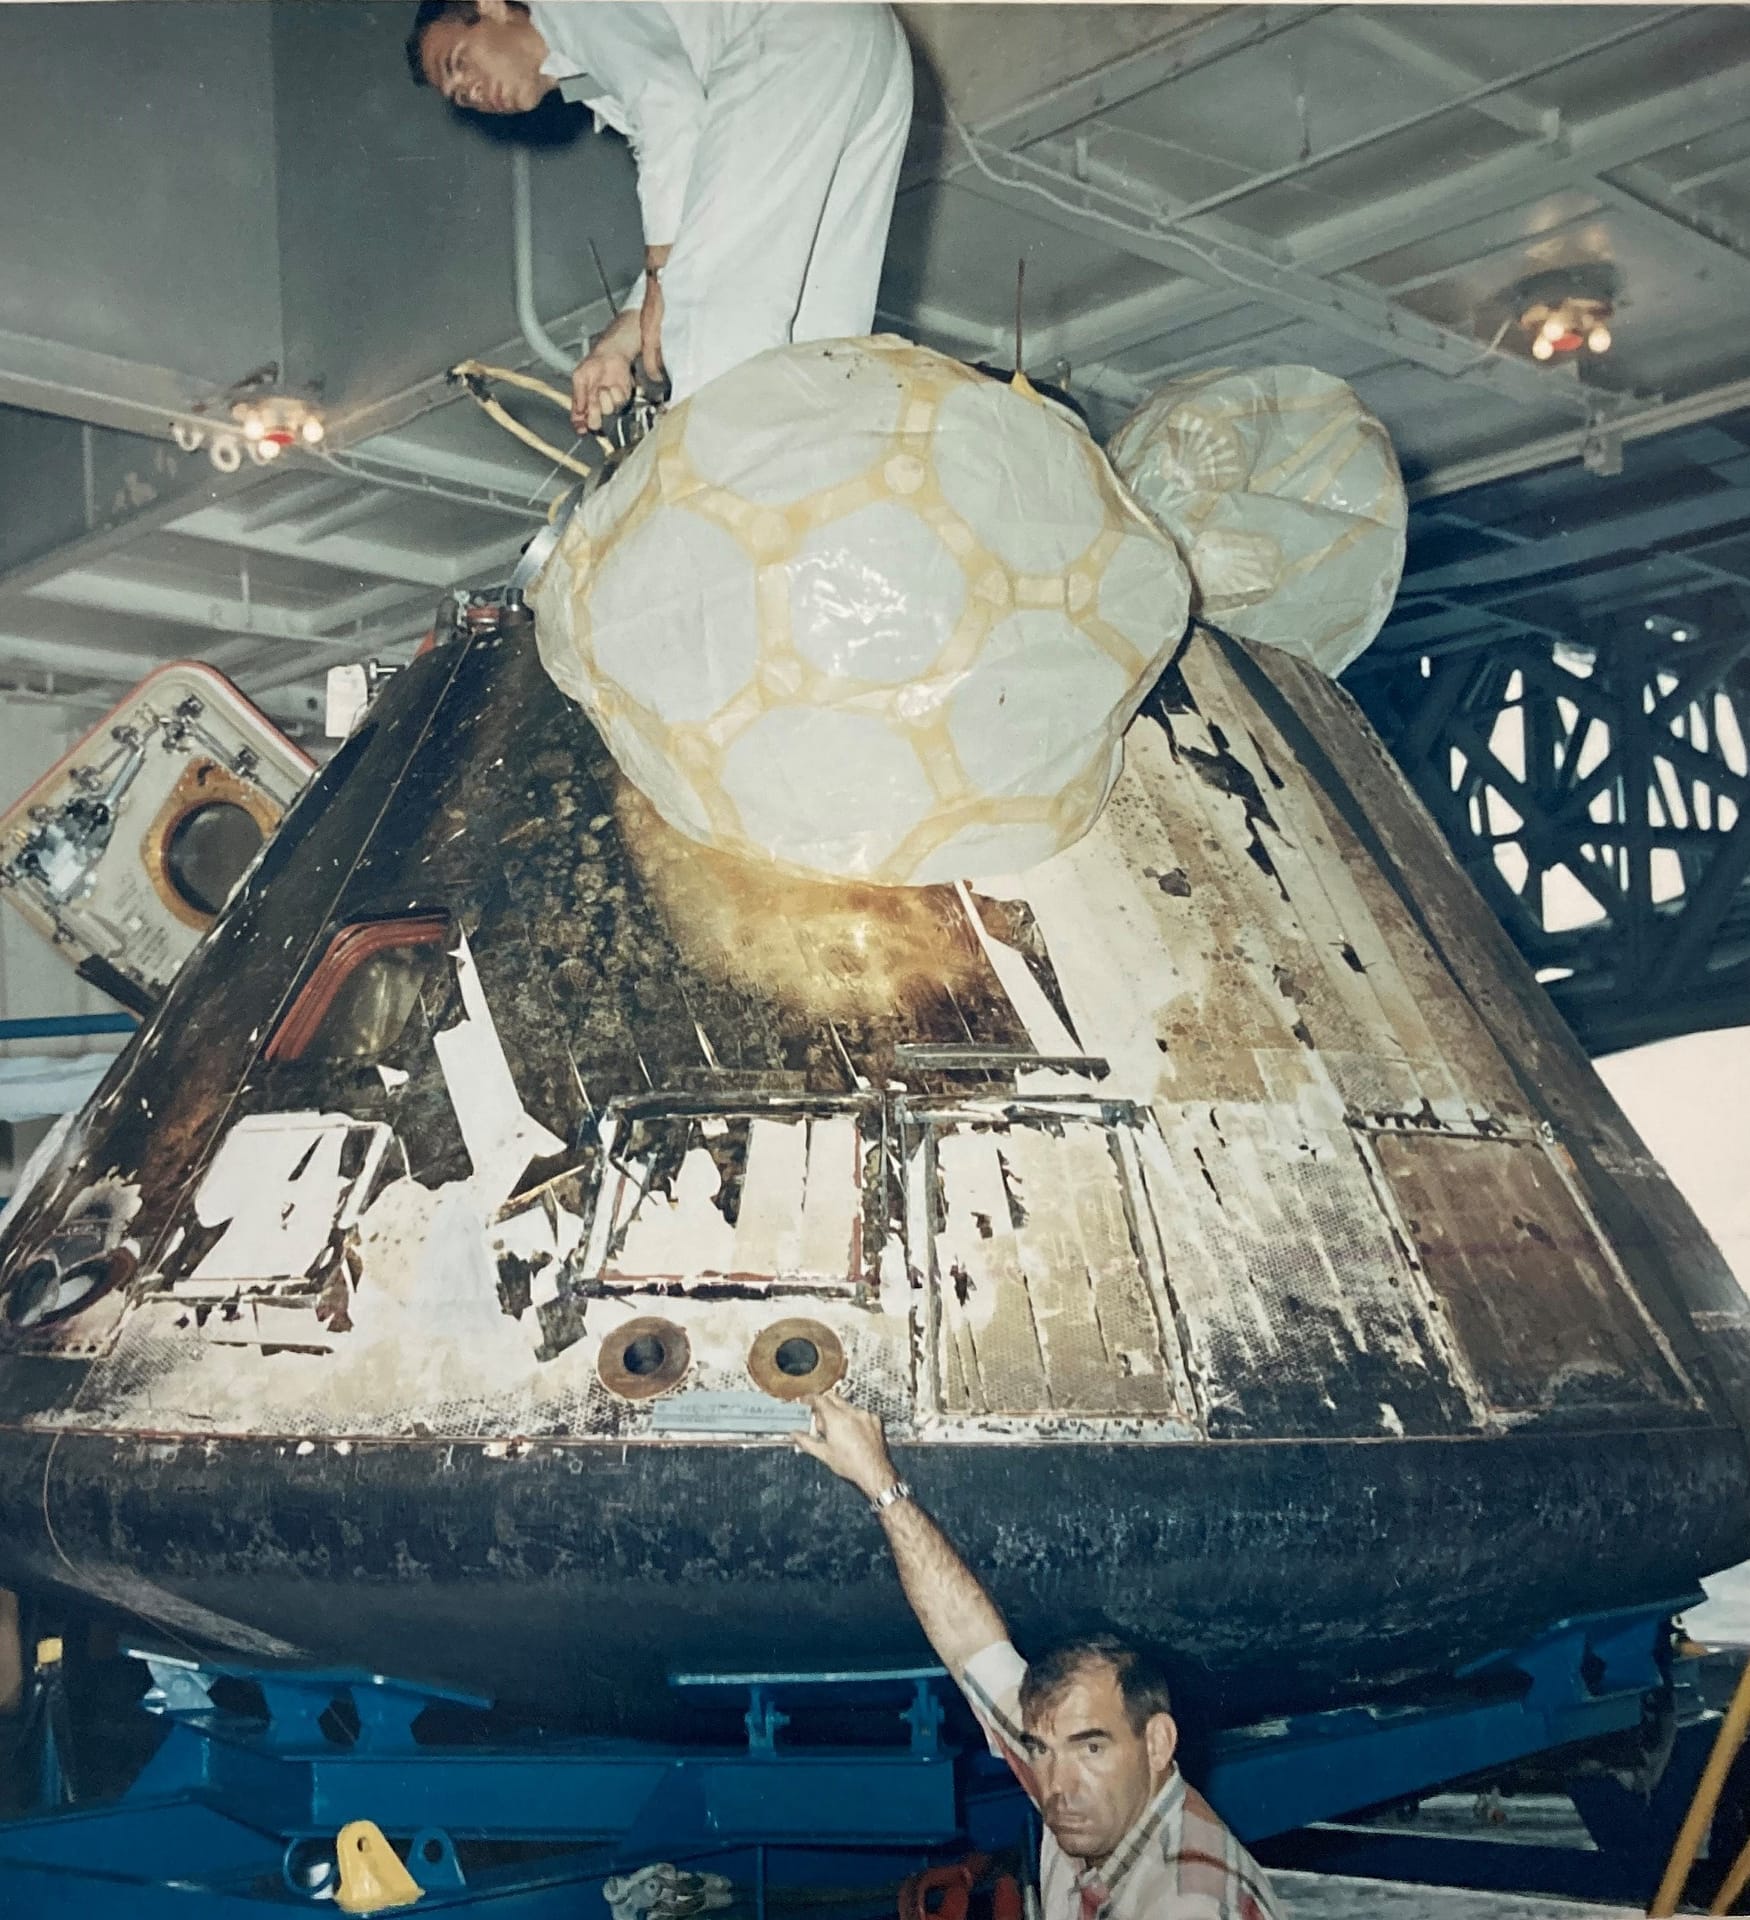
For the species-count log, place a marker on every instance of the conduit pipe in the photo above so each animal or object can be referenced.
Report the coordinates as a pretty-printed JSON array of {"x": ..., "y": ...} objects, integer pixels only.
[{"x": 522, "y": 226}]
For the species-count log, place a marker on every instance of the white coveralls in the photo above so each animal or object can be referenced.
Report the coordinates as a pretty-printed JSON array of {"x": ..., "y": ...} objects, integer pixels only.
[{"x": 768, "y": 139}]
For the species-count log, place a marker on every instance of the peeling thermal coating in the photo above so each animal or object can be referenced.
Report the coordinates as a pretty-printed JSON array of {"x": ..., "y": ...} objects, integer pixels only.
[
  {"x": 1186, "y": 1141},
  {"x": 1235, "y": 1122}
]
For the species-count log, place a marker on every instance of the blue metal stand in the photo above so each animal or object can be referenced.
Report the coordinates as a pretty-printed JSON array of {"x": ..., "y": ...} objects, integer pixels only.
[
  {"x": 1585, "y": 1679},
  {"x": 236, "y": 1809},
  {"x": 237, "y": 1812},
  {"x": 1582, "y": 1679}
]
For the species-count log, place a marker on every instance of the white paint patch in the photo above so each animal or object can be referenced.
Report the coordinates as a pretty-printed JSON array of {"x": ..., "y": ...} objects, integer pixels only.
[
  {"x": 1105, "y": 939},
  {"x": 501, "y": 1136},
  {"x": 428, "y": 1334},
  {"x": 801, "y": 1199},
  {"x": 772, "y": 1192},
  {"x": 832, "y": 1199},
  {"x": 432, "y": 1351},
  {"x": 529, "y": 1235},
  {"x": 393, "y": 1077},
  {"x": 277, "y": 1188},
  {"x": 545, "y": 1235},
  {"x": 1044, "y": 1025},
  {"x": 683, "y": 1235}
]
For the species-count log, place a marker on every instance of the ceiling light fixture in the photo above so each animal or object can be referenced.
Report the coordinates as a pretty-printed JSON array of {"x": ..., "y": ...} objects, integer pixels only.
[
  {"x": 1565, "y": 311},
  {"x": 262, "y": 421}
]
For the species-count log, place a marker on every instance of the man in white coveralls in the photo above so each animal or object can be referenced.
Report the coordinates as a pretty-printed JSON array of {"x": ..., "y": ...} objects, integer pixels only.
[
  {"x": 768, "y": 139},
  {"x": 1086, "y": 1726}
]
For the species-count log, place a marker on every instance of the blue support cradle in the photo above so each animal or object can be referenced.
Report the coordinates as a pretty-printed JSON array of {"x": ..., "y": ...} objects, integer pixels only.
[{"x": 237, "y": 1811}]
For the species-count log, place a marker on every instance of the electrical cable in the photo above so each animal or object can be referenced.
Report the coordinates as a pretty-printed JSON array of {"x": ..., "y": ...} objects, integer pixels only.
[
  {"x": 1489, "y": 352},
  {"x": 474, "y": 373},
  {"x": 1154, "y": 231}
]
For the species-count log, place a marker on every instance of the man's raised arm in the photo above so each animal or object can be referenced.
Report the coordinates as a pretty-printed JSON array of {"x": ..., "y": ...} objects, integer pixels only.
[{"x": 958, "y": 1617}]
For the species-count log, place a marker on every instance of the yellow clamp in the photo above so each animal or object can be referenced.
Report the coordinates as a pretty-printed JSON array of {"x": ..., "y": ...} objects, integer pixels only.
[
  {"x": 48, "y": 1652},
  {"x": 372, "y": 1877}
]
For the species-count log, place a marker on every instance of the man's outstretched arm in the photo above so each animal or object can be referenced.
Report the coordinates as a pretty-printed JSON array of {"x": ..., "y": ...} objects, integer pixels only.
[{"x": 958, "y": 1617}]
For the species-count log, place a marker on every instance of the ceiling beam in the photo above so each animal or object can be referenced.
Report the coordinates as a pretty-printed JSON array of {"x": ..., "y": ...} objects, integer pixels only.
[
  {"x": 93, "y": 546},
  {"x": 1635, "y": 190},
  {"x": 1221, "y": 32},
  {"x": 933, "y": 325},
  {"x": 93, "y": 661},
  {"x": 1097, "y": 333},
  {"x": 98, "y": 698},
  {"x": 1550, "y": 451},
  {"x": 1524, "y": 174},
  {"x": 131, "y": 597},
  {"x": 272, "y": 675},
  {"x": 1693, "y": 111},
  {"x": 1639, "y": 533},
  {"x": 394, "y": 411},
  {"x": 1136, "y": 319},
  {"x": 1583, "y": 602},
  {"x": 1714, "y": 170},
  {"x": 355, "y": 504},
  {"x": 1144, "y": 226},
  {"x": 1506, "y": 107},
  {"x": 1640, "y": 193},
  {"x": 401, "y": 462},
  {"x": 1374, "y": 136},
  {"x": 293, "y": 493},
  {"x": 47, "y": 376},
  {"x": 347, "y": 554}
]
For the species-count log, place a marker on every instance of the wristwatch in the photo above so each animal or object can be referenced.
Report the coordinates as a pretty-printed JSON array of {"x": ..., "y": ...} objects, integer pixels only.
[{"x": 889, "y": 1496}]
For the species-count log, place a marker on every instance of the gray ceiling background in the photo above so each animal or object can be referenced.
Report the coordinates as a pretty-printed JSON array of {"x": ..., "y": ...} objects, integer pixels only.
[{"x": 194, "y": 191}]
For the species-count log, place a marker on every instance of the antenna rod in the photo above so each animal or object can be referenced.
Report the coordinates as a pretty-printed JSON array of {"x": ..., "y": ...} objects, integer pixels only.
[
  {"x": 1020, "y": 283},
  {"x": 602, "y": 273}
]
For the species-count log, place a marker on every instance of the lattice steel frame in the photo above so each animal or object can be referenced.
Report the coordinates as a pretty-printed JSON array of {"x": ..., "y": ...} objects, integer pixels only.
[{"x": 1618, "y": 767}]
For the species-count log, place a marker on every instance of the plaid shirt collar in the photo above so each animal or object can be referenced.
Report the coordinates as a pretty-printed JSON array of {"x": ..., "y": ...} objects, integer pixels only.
[{"x": 1098, "y": 1885}]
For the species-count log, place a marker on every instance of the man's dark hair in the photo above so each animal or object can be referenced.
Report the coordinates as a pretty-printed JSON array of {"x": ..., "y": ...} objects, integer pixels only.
[
  {"x": 429, "y": 14},
  {"x": 1142, "y": 1682}
]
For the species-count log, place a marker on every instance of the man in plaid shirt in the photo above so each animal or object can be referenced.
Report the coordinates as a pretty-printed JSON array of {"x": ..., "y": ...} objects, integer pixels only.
[{"x": 1086, "y": 1727}]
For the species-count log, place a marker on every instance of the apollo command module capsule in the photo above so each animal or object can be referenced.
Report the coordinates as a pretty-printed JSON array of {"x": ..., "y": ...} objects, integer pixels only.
[{"x": 1239, "y": 1248}]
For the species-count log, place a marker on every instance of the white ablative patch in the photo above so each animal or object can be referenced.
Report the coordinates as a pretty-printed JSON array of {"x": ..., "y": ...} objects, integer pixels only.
[
  {"x": 501, "y": 1136},
  {"x": 280, "y": 1184}
]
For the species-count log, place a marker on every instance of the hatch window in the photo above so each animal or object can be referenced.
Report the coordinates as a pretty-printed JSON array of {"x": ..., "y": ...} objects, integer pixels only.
[
  {"x": 209, "y": 850},
  {"x": 357, "y": 1002}
]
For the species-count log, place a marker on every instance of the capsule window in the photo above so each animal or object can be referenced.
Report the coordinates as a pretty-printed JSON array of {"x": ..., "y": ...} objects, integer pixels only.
[
  {"x": 357, "y": 1001},
  {"x": 208, "y": 851},
  {"x": 44, "y": 1291}
]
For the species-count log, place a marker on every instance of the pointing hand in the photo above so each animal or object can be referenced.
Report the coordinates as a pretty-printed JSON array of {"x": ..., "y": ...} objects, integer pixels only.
[{"x": 850, "y": 1442}]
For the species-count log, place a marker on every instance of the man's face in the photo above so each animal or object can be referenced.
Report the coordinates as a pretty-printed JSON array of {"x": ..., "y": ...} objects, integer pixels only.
[
  {"x": 1094, "y": 1772},
  {"x": 490, "y": 66}
]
